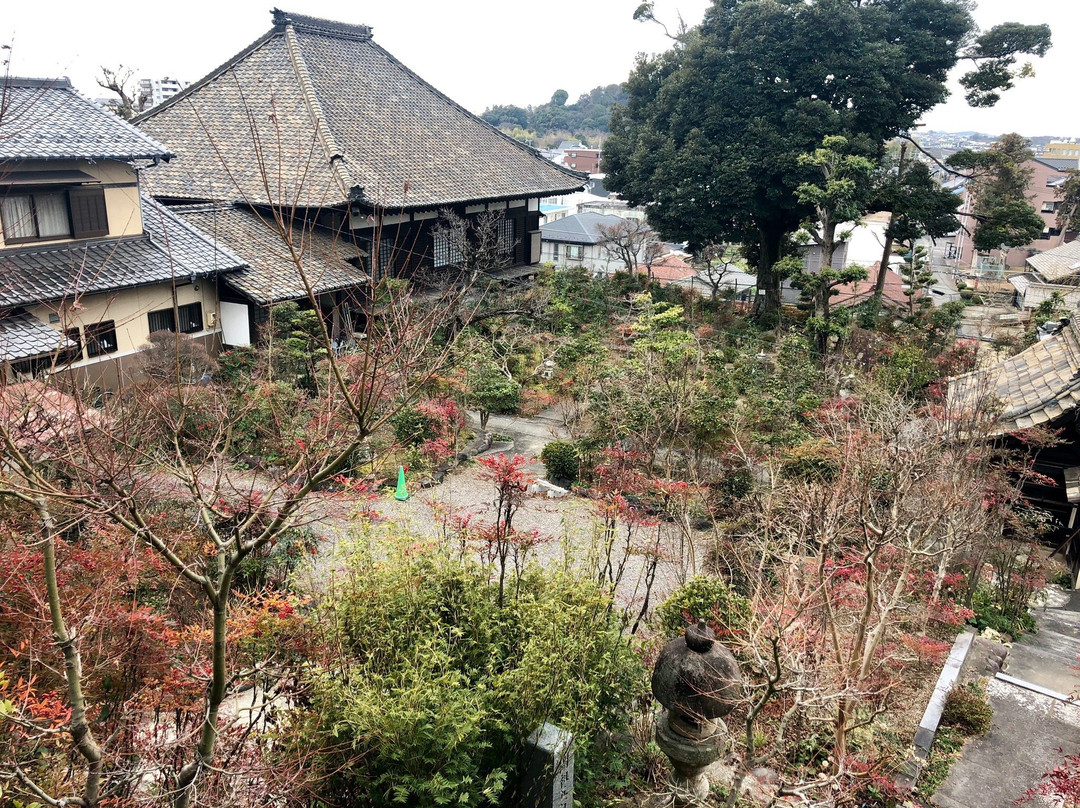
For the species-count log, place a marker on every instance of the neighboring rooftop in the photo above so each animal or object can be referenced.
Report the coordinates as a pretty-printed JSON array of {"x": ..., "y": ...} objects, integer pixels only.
[
  {"x": 1037, "y": 386},
  {"x": 1059, "y": 263},
  {"x": 1059, "y": 163},
  {"x": 22, "y": 335},
  {"x": 671, "y": 268},
  {"x": 893, "y": 293},
  {"x": 581, "y": 228},
  {"x": 271, "y": 275},
  {"x": 168, "y": 249},
  {"x": 353, "y": 123},
  {"x": 46, "y": 119}
]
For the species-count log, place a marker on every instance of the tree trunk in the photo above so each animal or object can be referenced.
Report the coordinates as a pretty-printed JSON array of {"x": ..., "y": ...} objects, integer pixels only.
[
  {"x": 824, "y": 292},
  {"x": 204, "y": 754},
  {"x": 886, "y": 254},
  {"x": 768, "y": 298},
  {"x": 81, "y": 735}
]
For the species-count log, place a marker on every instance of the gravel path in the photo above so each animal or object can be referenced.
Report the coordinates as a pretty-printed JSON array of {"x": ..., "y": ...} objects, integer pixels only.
[{"x": 568, "y": 528}]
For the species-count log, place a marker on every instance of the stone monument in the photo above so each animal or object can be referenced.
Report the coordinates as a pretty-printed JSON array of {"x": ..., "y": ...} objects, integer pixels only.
[
  {"x": 698, "y": 682},
  {"x": 547, "y": 779}
]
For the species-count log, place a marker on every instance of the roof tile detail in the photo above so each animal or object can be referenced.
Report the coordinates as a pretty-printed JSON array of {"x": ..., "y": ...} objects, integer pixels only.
[
  {"x": 400, "y": 140},
  {"x": 271, "y": 275},
  {"x": 48, "y": 120},
  {"x": 1036, "y": 386},
  {"x": 1059, "y": 263},
  {"x": 23, "y": 335},
  {"x": 169, "y": 248}
]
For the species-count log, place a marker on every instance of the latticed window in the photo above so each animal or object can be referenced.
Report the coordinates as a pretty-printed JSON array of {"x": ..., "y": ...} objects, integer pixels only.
[
  {"x": 443, "y": 253},
  {"x": 506, "y": 236}
]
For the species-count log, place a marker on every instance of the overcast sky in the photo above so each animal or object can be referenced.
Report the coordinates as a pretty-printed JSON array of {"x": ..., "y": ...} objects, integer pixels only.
[{"x": 479, "y": 52}]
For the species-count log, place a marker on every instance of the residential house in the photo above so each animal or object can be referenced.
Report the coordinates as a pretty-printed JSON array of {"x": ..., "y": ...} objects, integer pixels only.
[
  {"x": 1038, "y": 387},
  {"x": 316, "y": 120},
  {"x": 893, "y": 293},
  {"x": 1063, "y": 150},
  {"x": 89, "y": 267},
  {"x": 578, "y": 240},
  {"x": 862, "y": 244},
  {"x": 1056, "y": 270},
  {"x": 1048, "y": 174}
]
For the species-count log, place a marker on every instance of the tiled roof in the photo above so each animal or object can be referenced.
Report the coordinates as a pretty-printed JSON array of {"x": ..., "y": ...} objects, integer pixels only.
[
  {"x": 23, "y": 335},
  {"x": 169, "y": 248},
  {"x": 581, "y": 228},
  {"x": 1038, "y": 385},
  {"x": 1059, "y": 163},
  {"x": 671, "y": 268},
  {"x": 46, "y": 119},
  {"x": 271, "y": 275},
  {"x": 892, "y": 293},
  {"x": 347, "y": 116},
  {"x": 1060, "y": 262}
]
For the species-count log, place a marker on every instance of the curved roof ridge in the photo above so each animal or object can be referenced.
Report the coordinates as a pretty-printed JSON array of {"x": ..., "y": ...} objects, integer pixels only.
[{"x": 334, "y": 154}]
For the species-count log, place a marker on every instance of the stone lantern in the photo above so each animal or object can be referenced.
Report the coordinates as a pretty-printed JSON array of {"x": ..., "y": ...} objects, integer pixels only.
[{"x": 698, "y": 682}]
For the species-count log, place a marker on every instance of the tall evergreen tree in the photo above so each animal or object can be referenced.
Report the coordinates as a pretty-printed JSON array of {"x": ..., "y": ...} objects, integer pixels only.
[{"x": 710, "y": 137}]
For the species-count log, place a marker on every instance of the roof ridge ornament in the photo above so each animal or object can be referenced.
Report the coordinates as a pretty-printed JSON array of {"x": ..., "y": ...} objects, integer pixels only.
[{"x": 318, "y": 25}]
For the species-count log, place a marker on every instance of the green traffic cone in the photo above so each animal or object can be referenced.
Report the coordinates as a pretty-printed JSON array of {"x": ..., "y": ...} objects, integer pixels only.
[{"x": 402, "y": 493}]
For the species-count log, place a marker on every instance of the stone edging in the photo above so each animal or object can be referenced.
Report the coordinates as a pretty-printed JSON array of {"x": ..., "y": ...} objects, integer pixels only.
[
  {"x": 1034, "y": 688},
  {"x": 924, "y": 736}
]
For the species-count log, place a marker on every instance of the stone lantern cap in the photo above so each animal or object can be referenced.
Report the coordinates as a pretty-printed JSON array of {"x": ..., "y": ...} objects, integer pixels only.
[{"x": 696, "y": 677}]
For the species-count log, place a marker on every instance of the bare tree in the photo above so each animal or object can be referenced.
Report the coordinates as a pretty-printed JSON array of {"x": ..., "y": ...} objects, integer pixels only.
[
  {"x": 131, "y": 101},
  {"x": 632, "y": 243},
  {"x": 157, "y": 466},
  {"x": 715, "y": 262}
]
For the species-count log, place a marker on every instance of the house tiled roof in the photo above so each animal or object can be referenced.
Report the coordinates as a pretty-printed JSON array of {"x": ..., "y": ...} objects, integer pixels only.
[
  {"x": 1059, "y": 263},
  {"x": 271, "y": 275},
  {"x": 581, "y": 228},
  {"x": 23, "y": 335},
  {"x": 892, "y": 294},
  {"x": 671, "y": 268},
  {"x": 1038, "y": 385},
  {"x": 337, "y": 118},
  {"x": 1059, "y": 163},
  {"x": 46, "y": 119},
  {"x": 169, "y": 248}
]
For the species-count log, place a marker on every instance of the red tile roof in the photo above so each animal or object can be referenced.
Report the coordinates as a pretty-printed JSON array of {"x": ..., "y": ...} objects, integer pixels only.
[{"x": 893, "y": 295}]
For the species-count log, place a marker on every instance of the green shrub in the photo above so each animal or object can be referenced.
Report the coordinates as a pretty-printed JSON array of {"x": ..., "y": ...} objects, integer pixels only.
[
  {"x": 990, "y": 614},
  {"x": 439, "y": 686},
  {"x": 704, "y": 597},
  {"x": 1064, "y": 579},
  {"x": 412, "y": 427},
  {"x": 968, "y": 709},
  {"x": 561, "y": 460},
  {"x": 816, "y": 460}
]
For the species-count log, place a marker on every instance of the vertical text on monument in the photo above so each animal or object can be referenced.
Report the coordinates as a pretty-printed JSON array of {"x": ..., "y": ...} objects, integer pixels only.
[{"x": 547, "y": 779}]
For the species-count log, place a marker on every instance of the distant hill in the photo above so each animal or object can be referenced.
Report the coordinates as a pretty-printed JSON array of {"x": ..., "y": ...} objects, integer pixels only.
[{"x": 589, "y": 115}]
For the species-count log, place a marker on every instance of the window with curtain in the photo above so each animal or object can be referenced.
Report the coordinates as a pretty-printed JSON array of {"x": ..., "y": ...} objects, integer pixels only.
[{"x": 35, "y": 217}]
